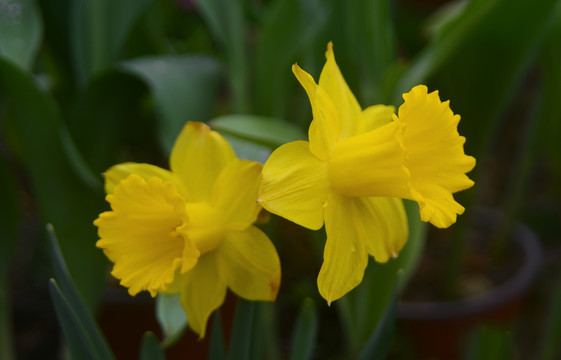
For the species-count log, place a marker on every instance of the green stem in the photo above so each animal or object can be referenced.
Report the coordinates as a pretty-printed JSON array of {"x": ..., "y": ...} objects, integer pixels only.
[
  {"x": 519, "y": 176},
  {"x": 454, "y": 262},
  {"x": 238, "y": 58},
  {"x": 349, "y": 324}
]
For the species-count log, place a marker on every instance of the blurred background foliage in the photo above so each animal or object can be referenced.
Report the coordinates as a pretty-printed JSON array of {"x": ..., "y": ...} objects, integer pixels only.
[{"x": 88, "y": 84}]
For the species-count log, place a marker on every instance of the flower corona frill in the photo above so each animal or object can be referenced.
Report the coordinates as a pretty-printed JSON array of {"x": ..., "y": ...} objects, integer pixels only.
[
  {"x": 189, "y": 230},
  {"x": 356, "y": 168}
]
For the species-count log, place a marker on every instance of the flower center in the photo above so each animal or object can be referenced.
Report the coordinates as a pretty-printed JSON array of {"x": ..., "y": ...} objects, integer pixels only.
[
  {"x": 370, "y": 164},
  {"x": 204, "y": 226}
]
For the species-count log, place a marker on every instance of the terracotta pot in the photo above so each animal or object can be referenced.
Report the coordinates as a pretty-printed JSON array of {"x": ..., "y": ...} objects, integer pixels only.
[{"x": 438, "y": 330}]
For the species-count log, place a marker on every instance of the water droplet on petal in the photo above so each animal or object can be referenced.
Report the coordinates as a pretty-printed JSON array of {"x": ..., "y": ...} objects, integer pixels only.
[{"x": 324, "y": 203}]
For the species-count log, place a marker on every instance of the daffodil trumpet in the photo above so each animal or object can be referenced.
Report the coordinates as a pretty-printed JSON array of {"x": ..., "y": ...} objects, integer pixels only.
[{"x": 357, "y": 166}]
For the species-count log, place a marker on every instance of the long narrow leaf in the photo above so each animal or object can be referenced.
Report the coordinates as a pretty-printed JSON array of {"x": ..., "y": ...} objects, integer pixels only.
[
  {"x": 241, "y": 341},
  {"x": 77, "y": 340},
  {"x": 6, "y": 322},
  {"x": 9, "y": 214},
  {"x": 379, "y": 342},
  {"x": 9, "y": 217},
  {"x": 226, "y": 20},
  {"x": 99, "y": 29},
  {"x": 109, "y": 116},
  {"x": 490, "y": 343},
  {"x": 72, "y": 298},
  {"x": 550, "y": 340},
  {"x": 371, "y": 37},
  {"x": 268, "y": 131},
  {"x": 305, "y": 332},
  {"x": 217, "y": 350},
  {"x": 288, "y": 27},
  {"x": 551, "y": 87},
  {"x": 438, "y": 52},
  {"x": 150, "y": 348},
  {"x": 35, "y": 133}
]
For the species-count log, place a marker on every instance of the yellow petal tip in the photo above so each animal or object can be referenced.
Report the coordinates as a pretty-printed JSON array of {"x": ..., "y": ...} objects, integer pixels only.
[{"x": 329, "y": 52}]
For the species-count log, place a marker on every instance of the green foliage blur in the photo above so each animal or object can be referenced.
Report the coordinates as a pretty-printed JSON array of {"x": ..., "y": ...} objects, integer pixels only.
[{"x": 87, "y": 84}]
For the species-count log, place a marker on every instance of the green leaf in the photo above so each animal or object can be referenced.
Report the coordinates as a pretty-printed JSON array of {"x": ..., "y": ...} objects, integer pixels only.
[
  {"x": 217, "y": 349},
  {"x": 99, "y": 29},
  {"x": 6, "y": 321},
  {"x": 21, "y": 29},
  {"x": 267, "y": 131},
  {"x": 411, "y": 254},
  {"x": 444, "y": 16},
  {"x": 258, "y": 333},
  {"x": 255, "y": 137},
  {"x": 67, "y": 193},
  {"x": 490, "y": 343},
  {"x": 379, "y": 342},
  {"x": 304, "y": 335},
  {"x": 550, "y": 339},
  {"x": 370, "y": 43},
  {"x": 171, "y": 317},
  {"x": 80, "y": 313},
  {"x": 9, "y": 214},
  {"x": 184, "y": 89},
  {"x": 241, "y": 341},
  {"x": 287, "y": 28},
  {"x": 150, "y": 348},
  {"x": 109, "y": 116},
  {"x": 79, "y": 345},
  {"x": 443, "y": 46},
  {"x": 551, "y": 88},
  {"x": 226, "y": 20},
  {"x": 9, "y": 219},
  {"x": 249, "y": 150}
]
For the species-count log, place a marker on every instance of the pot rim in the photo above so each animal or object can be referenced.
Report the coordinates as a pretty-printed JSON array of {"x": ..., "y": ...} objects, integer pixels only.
[{"x": 525, "y": 238}]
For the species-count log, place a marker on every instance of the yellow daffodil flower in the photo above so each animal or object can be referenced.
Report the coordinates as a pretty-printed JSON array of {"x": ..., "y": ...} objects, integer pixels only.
[
  {"x": 189, "y": 230},
  {"x": 357, "y": 166}
]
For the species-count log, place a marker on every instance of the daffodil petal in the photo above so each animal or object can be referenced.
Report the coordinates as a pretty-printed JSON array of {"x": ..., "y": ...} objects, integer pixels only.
[
  {"x": 120, "y": 172},
  {"x": 332, "y": 81},
  {"x": 324, "y": 129},
  {"x": 235, "y": 193},
  {"x": 435, "y": 155},
  {"x": 197, "y": 158},
  {"x": 385, "y": 225},
  {"x": 202, "y": 290},
  {"x": 140, "y": 234},
  {"x": 295, "y": 185},
  {"x": 251, "y": 264},
  {"x": 345, "y": 256},
  {"x": 374, "y": 117}
]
